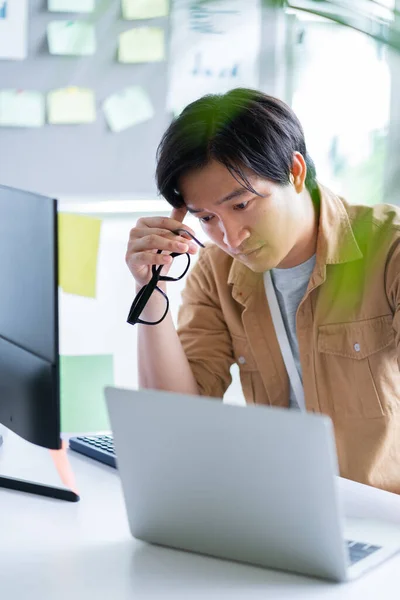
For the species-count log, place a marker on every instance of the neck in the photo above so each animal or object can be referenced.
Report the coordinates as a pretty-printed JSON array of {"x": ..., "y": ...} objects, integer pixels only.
[{"x": 306, "y": 245}]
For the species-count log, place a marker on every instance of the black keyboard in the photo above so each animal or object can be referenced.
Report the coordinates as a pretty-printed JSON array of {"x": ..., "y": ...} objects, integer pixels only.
[
  {"x": 100, "y": 447},
  {"x": 358, "y": 551}
]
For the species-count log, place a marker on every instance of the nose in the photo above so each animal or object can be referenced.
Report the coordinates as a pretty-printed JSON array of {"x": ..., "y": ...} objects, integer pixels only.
[{"x": 233, "y": 235}]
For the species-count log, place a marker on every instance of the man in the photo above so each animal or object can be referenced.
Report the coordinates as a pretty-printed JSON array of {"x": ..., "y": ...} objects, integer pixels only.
[{"x": 239, "y": 163}]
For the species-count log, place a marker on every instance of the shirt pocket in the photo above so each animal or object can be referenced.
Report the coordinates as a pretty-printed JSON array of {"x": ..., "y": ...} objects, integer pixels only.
[
  {"x": 355, "y": 360},
  {"x": 247, "y": 367}
]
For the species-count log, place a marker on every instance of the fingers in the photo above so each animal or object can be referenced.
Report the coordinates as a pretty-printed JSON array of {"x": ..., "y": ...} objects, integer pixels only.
[
  {"x": 156, "y": 233},
  {"x": 140, "y": 259},
  {"x": 152, "y": 241},
  {"x": 137, "y": 233},
  {"x": 178, "y": 214},
  {"x": 166, "y": 223}
]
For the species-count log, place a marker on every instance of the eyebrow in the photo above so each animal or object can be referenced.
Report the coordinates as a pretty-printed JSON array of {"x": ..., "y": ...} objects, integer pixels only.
[{"x": 237, "y": 193}]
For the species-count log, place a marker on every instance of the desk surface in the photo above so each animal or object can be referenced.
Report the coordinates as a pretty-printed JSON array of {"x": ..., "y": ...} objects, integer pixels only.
[{"x": 54, "y": 550}]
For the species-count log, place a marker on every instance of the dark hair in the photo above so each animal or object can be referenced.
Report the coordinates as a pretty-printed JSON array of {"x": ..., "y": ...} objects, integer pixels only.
[{"x": 243, "y": 128}]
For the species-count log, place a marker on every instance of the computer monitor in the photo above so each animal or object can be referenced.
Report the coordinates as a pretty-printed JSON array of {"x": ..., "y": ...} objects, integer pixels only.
[{"x": 29, "y": 356}]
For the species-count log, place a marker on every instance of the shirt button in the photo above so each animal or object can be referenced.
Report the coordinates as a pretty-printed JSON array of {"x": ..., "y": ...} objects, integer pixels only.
[
  {"x": 357, "y": 347},
  {"x": 242, "y": 360}
]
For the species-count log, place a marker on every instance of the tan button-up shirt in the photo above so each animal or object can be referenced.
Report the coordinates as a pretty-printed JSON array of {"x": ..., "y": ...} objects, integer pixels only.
[{"x": 348, "y": 330}]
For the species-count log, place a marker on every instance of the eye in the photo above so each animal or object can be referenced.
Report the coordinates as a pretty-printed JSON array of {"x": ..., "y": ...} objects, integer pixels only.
[
  {"x": 206, "y": 219},
  {"x": 241, "y": 206}
]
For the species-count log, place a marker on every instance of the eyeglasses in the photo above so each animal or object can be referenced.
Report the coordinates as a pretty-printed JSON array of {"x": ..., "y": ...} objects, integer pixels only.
[{"x": 144, "y": 294}]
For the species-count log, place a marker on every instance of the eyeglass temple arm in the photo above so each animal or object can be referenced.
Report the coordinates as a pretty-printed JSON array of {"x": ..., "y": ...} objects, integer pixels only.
[
  {"x": 182, "y": 230},
  {"x": 157, "y": 270}
]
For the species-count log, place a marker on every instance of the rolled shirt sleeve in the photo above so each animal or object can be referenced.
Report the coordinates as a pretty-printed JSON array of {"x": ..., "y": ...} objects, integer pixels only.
[{"x": 203, "y": 331}]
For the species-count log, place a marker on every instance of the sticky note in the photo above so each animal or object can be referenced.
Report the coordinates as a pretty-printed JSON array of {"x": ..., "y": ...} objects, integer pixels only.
[
  {"x": 78, "y": 245},
  {"x": 82, "y": 382},
  {"x": 74, "y": 38},
  {"x": 144, "y": 9},
  {"x": 141, "y": 44},
  {"x": 71, "y": 106},
  {"x": 128, "y": 107},
  {"x": 21, "y": 108},
  {"x": 74, "y": 6}
]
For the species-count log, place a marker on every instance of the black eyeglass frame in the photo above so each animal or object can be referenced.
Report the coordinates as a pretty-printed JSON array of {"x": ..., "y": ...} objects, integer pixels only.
[{"x": 142, "y": 297}]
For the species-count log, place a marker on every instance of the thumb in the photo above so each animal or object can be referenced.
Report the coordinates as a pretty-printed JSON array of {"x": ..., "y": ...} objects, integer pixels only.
[{"x": 178, "y": 214}]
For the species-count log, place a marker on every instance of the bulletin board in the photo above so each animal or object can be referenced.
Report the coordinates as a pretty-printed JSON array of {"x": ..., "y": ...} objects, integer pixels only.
[
  {"x": 68, "y": 160},
  {"x": 90, "y": 160},
  {"x": 79, "y": 162}
]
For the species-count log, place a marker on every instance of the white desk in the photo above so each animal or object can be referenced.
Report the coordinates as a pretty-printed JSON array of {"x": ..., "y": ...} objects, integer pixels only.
[{"x": 55, "y": 550}]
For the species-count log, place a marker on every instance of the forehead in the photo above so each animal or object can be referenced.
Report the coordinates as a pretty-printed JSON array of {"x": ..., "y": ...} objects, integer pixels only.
[{"x": 206, "y": 186}]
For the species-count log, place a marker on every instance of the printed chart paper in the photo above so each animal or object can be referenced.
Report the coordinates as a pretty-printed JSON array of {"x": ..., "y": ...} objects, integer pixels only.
[
  {"x": 13, "y": 29},
  {"x": 214, "y": 47}
]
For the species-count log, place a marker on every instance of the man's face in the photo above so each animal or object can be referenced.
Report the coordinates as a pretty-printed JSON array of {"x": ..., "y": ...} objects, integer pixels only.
[{"x": 258, "y": 231}]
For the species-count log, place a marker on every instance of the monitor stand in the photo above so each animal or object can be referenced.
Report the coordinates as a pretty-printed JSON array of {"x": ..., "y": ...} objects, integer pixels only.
[{"x": 39, "y": 489}]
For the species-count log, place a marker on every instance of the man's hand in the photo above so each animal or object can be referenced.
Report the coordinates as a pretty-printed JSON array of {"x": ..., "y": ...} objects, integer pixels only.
[{"x": 152, "y": 234}]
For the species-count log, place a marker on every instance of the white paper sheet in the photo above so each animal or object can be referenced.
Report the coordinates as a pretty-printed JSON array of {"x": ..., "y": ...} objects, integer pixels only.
[
  {"x": 214, "y": 47},
  {"x": 13, "y": 29}
]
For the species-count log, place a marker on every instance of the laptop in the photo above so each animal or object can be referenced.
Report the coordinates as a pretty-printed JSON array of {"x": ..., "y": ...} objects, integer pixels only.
[{"x": 251, "y": 484}]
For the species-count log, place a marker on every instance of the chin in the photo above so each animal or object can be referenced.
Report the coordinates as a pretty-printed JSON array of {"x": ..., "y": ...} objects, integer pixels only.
[{"x": 259, "y": 265}]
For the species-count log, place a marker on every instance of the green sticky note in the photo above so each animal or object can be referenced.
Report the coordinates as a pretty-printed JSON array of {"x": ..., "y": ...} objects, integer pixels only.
[
  {"x": 74, "y": 6},
  {"x": 141, "y": 44},
  {"x": 75, "y": 38},
  {"x": 78, "y": 246},
  {"x": 69, "y": 106},
  {"x": 144, "y": 9},
  {"x": 21, "y": 108},
  {"x": 82, "y": 382},
  {"x": 127, "y": 108}
]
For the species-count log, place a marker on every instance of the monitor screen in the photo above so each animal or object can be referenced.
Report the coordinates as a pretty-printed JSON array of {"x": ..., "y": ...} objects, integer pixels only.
[{"x": 29, "y": 363}]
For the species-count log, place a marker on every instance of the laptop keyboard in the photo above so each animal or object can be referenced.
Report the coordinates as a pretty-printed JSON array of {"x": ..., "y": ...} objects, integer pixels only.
[{"x": 358, "y": 551}]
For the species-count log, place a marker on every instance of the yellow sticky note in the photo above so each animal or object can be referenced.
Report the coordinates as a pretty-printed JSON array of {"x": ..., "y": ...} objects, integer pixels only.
[
  {"x": 71, "y": 106},
  {"x": 76, "y": 38},
  {"x": 144, "y": 9},
  {"x": 78, "y": 245},
  {"x": 74, "y": 6},
  {"x": 141, "y": 44},
  {"x": 21, "y": 108},
  {"x": 128, "y": 107}
]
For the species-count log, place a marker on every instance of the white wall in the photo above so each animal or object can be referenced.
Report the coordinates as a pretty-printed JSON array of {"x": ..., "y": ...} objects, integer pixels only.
[{"x": 98, "y": 326}]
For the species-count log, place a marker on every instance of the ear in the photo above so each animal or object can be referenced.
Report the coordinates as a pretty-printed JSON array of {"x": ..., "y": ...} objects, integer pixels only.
[{"x": 299, "y": 172}]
